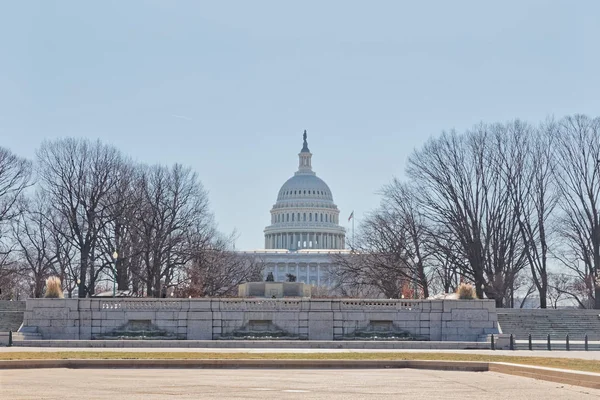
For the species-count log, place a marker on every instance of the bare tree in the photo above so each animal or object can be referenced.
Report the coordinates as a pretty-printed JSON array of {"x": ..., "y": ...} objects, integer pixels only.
[
  {"x": 403, "y": 230},
  {"x": 578, "y": 155},
  {"x": 35, "y": 245},
  {"x": 217, "y": 271},
  {"x": 78, "y": 176},
  {"x": 119, "y": 235},
  {"x": 15, "y": 177},
  {"x": 362, "y": 275},
  {"x": 466, "y": 184},
  {"x": 173, "y": 205},
  {"x": 565, "y": 286},
  {"x": 445, "y": 261},
  {"x": 537, "y": 201}
]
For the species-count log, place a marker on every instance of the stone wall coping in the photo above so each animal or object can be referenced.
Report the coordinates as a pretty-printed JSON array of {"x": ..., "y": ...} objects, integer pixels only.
[{"x": 143, "y": 299}]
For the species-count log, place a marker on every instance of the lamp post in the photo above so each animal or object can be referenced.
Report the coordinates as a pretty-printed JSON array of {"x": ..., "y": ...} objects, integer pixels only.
[{"x": 115, "y": 256}]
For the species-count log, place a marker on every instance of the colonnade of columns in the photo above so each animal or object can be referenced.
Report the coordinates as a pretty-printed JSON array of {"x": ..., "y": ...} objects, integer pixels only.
[
  {"x": 311, "y": 273},
  {"x": 305, "y": 240}
]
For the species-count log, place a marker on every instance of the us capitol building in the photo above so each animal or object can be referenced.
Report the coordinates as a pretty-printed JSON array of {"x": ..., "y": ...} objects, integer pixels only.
[{"x": 304, "y": 232}]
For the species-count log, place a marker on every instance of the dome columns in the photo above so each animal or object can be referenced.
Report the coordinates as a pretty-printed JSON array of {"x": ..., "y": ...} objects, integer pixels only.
[{"x": 305, "y": 240}]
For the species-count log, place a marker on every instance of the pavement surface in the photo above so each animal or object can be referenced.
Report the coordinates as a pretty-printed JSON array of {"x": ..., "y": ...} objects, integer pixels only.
[
  {"x": 585, "y": 355},
  {"x": 155, "y": 384}
]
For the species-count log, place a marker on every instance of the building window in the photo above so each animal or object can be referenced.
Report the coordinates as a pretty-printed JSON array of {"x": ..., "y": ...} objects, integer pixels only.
[
  {"x": 292, "y": 217},
  {"x": 316, "y": 217},
  {"x": 326, "y": 218},
  {"x": 321, "y": 217},
  {"x": 287, "y": 217},
  {"x": 304, "y": 216},
  {"x": 310, "y": 217},
  {"x": 298, "y": 217}
]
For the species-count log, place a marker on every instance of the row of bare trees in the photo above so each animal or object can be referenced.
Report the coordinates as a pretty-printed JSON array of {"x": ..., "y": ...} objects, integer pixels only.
[
  {"x": 512, "y": 208},
  {"x": 88, "y": 214}
]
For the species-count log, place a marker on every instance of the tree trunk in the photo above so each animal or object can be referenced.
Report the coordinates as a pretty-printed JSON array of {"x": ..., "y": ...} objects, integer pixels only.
[
  {"x": 122, "y": 278},
  {"x": 82, "y": 292},
  {"x": 543, "y": 291},
  {"x": 499, "y": 302},
  {"x": 424, "y": 284}
]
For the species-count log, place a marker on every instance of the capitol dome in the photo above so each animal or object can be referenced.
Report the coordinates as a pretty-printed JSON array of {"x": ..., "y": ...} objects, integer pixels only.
[
  {"x": 305, "y": 216},
  {"x": 305, "y": 186}
]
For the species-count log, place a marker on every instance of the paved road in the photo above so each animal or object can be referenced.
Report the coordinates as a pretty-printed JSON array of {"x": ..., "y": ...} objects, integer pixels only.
[
  {"x": 154, "y": 384},
  {"x": 586, "y": 355}
]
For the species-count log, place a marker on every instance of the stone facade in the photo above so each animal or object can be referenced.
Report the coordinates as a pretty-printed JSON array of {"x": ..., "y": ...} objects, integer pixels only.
[
  {"x": 312, "y": 319},
  {"x": 308, "y": 266}
]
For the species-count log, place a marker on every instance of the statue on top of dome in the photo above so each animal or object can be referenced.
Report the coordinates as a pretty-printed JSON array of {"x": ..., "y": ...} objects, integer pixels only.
[{"x": 305, "y": 146}]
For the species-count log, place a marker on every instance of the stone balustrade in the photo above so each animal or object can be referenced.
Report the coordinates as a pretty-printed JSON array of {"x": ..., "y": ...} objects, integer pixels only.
[{"x": 312, "y": 319}]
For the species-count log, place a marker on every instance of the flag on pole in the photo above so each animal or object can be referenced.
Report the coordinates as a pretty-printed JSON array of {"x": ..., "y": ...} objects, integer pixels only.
[{"x": 351, "y": 216}]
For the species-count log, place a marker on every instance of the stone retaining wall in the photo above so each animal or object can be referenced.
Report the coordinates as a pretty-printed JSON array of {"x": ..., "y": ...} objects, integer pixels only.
[{"x": 312, "y": 319}]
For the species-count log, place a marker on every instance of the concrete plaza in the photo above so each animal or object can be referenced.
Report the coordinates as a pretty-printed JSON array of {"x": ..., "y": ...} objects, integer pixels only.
[{"x": 155, "y": 384}]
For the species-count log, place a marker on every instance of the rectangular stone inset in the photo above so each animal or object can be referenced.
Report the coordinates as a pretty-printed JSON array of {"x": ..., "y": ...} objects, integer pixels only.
[
  {"x": 256, "y": 289},
  {"x": 139, "y": 324},
  {"x": 259, "y": 325},
  {"x": 462, "y": 314},
  {"x": 381, "y": 326}
]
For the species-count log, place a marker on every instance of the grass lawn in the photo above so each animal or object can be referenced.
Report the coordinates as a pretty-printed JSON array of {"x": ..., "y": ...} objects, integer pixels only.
[{"x": 565, "y": 363}]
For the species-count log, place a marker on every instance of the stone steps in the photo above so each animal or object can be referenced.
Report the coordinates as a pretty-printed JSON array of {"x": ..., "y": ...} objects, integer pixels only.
[{"x": 558, "y": 323}]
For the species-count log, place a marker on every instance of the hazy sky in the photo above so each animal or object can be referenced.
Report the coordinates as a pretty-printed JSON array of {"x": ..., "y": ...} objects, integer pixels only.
[{"x": 228, "y": 87}]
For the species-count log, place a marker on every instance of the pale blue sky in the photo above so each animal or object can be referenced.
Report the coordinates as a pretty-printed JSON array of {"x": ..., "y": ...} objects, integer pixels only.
[{"x": 228, "y": 87}]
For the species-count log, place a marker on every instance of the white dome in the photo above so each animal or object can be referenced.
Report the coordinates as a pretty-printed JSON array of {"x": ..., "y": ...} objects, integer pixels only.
[
  {"x": 303, "y": 186},
  {"x": 304, "y": 215}
]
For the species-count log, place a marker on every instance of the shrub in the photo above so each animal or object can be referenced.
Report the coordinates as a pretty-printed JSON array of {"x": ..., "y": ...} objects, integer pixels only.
[
  {"x": 270, "y": 277},
  {"x": 53, "y": 290},
  {"x": 466, "y": 291}
]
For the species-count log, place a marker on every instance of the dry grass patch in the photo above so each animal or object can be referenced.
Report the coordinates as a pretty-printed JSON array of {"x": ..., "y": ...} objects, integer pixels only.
[{"x": 565, "y": 363}]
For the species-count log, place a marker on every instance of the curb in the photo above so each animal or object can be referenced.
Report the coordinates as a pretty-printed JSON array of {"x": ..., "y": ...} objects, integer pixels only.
[
  {"x": 241, "y": 363},
  {"x": 576, "y": 378},
  {"x": 301, "y": 344}
]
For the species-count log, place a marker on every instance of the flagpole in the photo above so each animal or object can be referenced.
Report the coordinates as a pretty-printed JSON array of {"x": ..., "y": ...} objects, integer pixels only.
[{"x": 353, "y": 244}]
